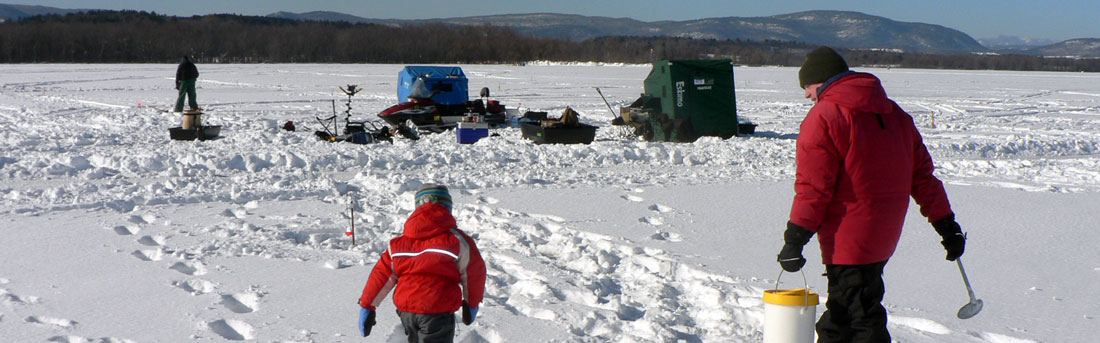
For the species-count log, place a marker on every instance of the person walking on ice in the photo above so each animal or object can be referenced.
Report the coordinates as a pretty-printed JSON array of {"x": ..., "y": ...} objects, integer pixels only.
[
  {"x": 859, "y": 159},
  {"x": 186, "y": 76},
  {"x": 434, "y": 270}
]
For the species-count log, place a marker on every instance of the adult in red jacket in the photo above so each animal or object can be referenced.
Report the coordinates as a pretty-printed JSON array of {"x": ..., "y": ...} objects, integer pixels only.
[
  {"x": 859, "y": 160},
  {"x": 434, "y": 267}
]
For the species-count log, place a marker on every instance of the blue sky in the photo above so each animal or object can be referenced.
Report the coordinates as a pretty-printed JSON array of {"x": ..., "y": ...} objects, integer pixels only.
[{"x": 1051, "y": 19}]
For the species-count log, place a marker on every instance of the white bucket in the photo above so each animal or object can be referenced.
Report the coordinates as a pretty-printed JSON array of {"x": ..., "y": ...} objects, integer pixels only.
[{"x": 789, "y": 316}]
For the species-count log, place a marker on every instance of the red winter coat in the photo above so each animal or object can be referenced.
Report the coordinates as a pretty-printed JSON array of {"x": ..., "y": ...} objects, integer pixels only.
[
  {"x": 422, "y": 265},
  {"x": 859, "y": 160}
]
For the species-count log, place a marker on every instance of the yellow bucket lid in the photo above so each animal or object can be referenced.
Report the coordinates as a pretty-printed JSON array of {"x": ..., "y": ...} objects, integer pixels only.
[{"x": 791, "y": 297}]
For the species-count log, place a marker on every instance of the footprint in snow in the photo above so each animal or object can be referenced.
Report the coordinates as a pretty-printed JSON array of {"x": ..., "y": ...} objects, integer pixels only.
[
  {"x": 196, "y": 286},
  {"x": 633, "y": 198},
  {"x": 7, "y": 298},
  {"x": 549, "y": 217},
  {"x": 667, "y": 236},
  {"x": 660, "y": 208},
  {"x": 78, "y": 339},
  {"x": 629, "y": 313},
  {"x": 652, "y": 220},
  {"x": 235, "y": 213},
  {"x": 242, "y": 302},
  {"x": 488, "y": 200},
  {"x": 189, "y": 268},
  {"x": 51, "y": 321},
  {"x": 233, "y": 330},
  {"x": 123, "y": 230},
  {"x": 143, "y": 219},
  {"x": 153, "y": 241},
  {"x": 149, "y": 255}
]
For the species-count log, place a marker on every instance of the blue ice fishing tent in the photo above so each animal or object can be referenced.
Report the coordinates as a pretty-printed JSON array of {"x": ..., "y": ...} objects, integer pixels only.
[{"x": 449, "y": 84}]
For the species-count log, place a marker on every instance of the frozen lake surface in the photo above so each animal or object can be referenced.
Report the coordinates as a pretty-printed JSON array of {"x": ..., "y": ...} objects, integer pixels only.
[{"x": 111, "y": 232}]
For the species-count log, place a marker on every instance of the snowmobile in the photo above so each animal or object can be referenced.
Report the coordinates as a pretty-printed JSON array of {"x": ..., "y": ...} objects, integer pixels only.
[
  {"x": 424, "y": 114},
  {"x": 436, "y": 99}
]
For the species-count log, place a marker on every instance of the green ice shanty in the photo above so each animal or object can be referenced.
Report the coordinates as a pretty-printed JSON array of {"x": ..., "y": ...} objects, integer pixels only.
[{"x": 687, "y": 99}]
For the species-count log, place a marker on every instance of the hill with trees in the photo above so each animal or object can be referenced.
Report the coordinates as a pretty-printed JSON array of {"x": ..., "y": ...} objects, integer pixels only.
[{"x": 143, "y": 37}]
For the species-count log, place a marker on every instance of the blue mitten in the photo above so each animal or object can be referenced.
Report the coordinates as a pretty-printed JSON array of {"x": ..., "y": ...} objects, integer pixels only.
[{"x": 366, "y": 321}]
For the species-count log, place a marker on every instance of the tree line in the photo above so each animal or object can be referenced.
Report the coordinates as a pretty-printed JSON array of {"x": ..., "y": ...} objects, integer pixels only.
[{"x": 144, "y": 37}]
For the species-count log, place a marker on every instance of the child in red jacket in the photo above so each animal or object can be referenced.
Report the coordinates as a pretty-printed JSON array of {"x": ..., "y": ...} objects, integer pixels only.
[{"x": 434, "y": 269}]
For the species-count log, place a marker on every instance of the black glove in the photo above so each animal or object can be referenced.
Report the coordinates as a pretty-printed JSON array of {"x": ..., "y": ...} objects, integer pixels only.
[
  {"x": 468, "y": 313},
  {"x": 366, "y": 321},
  {"x": 790, "y": 256},
  {"x": 953, "y": 238}
]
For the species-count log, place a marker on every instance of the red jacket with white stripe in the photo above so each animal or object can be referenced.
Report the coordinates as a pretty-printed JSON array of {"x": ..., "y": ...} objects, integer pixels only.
[
  {"x": 422, "y": 265},
  {"x": 859, "y": 159}
]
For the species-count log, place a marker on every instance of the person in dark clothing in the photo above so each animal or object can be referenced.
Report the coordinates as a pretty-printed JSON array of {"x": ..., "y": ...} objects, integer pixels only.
[
  {"x": 859, "y": 159},
  {"x": 186, "y": 75}
]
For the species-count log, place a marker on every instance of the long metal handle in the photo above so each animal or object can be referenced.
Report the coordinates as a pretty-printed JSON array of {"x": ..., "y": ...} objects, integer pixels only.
[
  {"x": 966, "y": 280},
  {"x": 605, "y": 102}
]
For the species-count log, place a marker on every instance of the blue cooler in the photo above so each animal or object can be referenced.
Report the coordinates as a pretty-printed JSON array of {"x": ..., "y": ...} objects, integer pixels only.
[{"x": 471, "y": 132}]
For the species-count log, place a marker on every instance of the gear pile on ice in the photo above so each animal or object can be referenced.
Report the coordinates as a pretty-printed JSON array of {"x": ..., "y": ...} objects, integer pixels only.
[{"x": 359, "y": 132}]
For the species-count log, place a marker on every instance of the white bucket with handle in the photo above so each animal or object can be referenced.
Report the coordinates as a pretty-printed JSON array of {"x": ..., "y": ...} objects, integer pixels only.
[{"x": 789, "y": 315}]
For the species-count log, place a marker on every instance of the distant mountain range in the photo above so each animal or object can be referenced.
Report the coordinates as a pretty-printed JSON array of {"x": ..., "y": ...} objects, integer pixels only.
[
  {"x": 842, "y": 29},
  {"x": 1084, "y": 47},
  {"x": 1003, "y": 41},
  {"x": 14, "y": 12},
  {"x": 852, "y": 30}
]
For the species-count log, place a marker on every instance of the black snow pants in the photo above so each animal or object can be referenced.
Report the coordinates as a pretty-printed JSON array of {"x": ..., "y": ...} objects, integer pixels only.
[
  {"x": 428, "y": 328},
  {"x": 854, "y": 311}
]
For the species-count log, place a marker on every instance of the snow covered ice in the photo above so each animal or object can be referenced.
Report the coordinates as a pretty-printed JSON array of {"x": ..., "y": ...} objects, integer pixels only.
[{"x": 111, "y": 232}]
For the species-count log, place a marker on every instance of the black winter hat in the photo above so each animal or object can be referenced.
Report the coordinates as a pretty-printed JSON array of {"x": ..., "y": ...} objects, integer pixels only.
[{"x": 821, "y": 64}]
